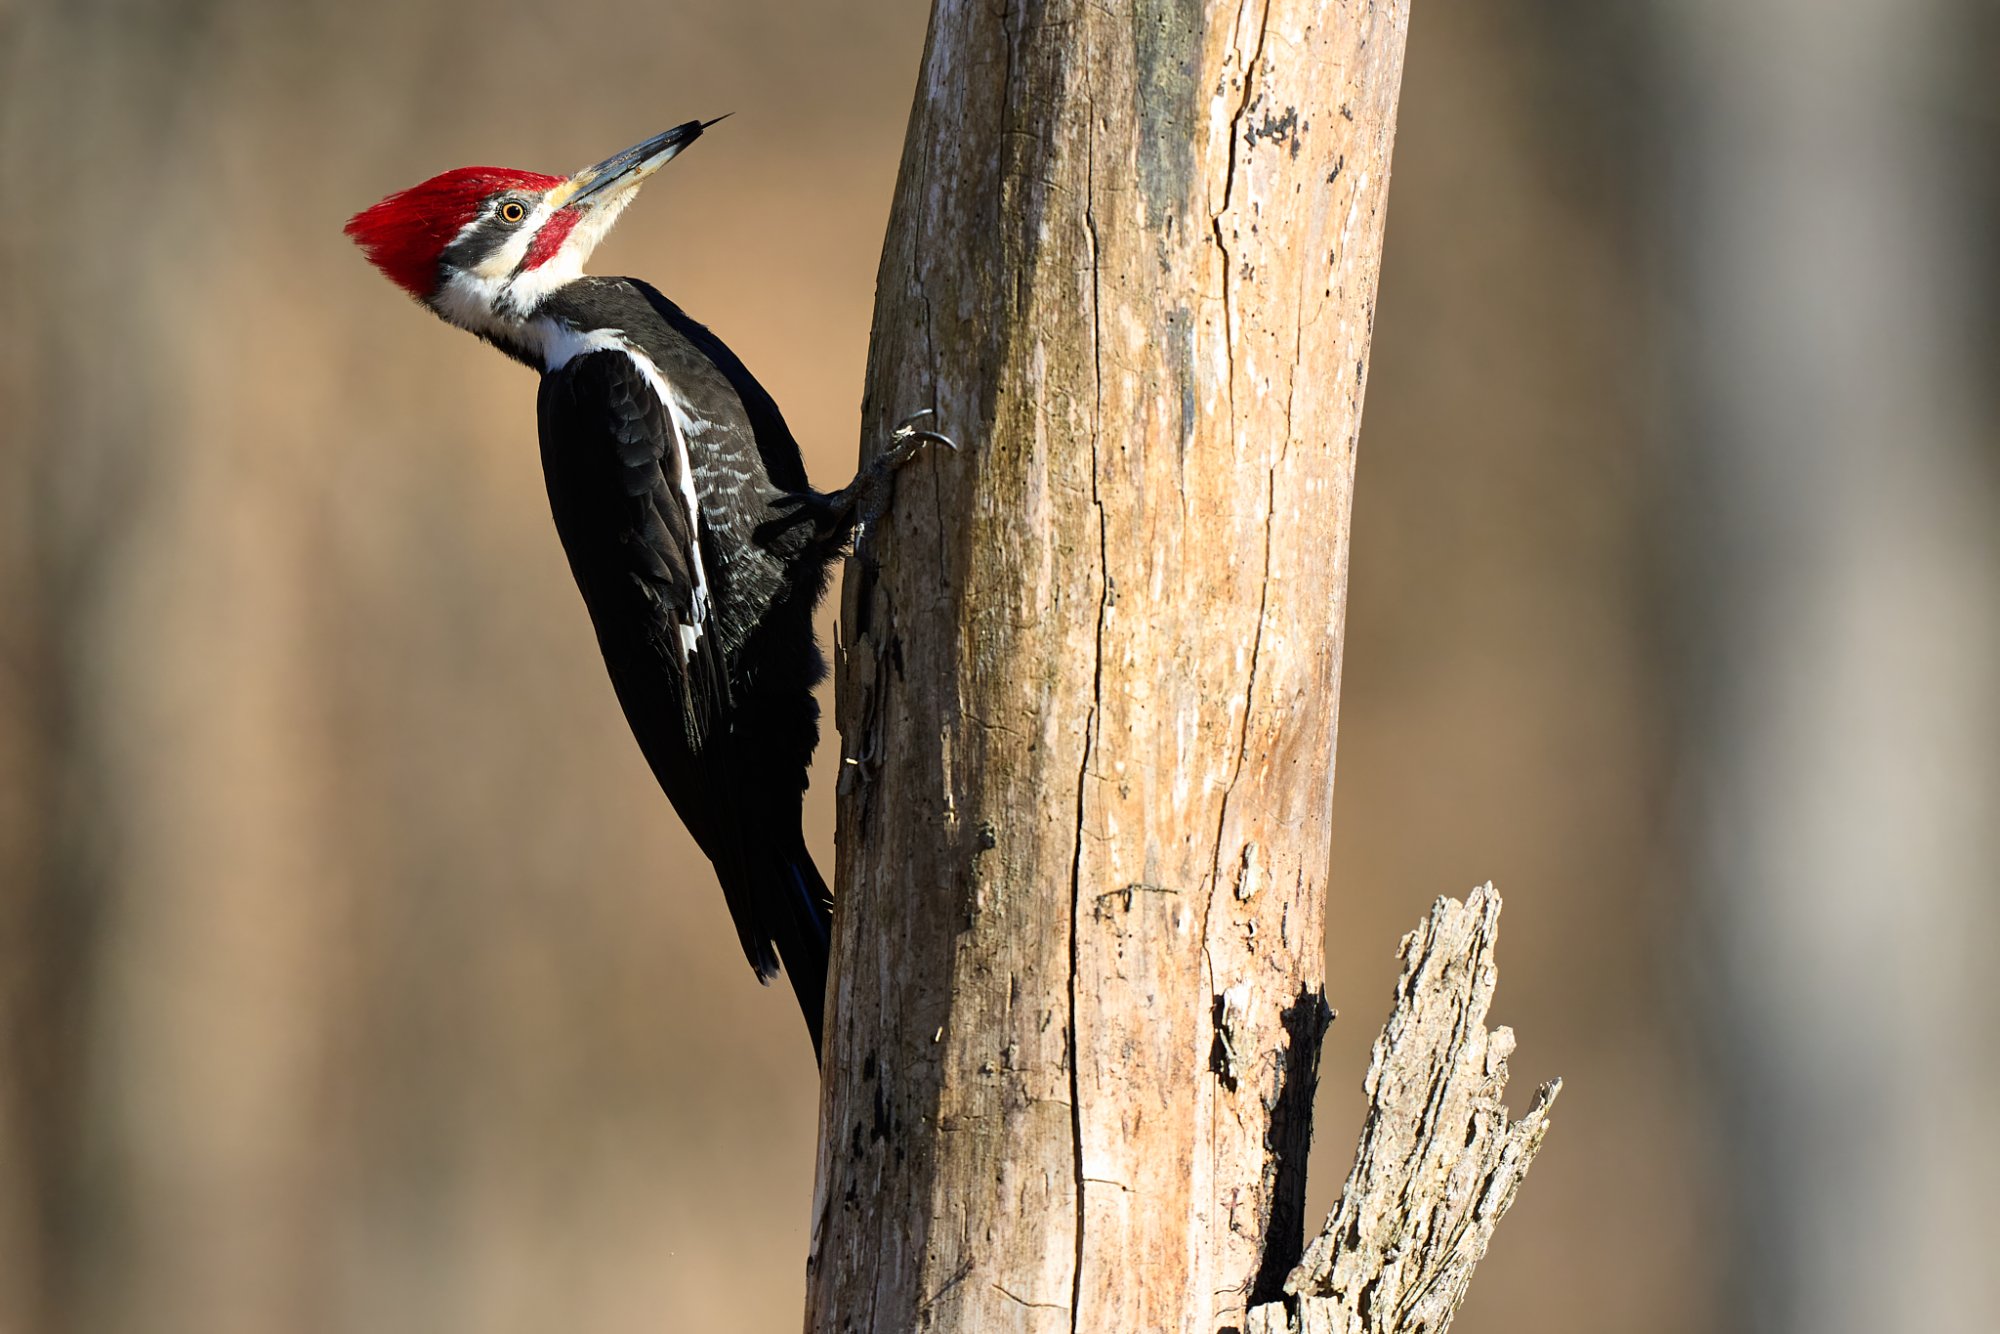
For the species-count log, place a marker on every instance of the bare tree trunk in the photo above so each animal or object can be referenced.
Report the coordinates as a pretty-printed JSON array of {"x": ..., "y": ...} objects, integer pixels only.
[{"x": 1092, "y": 663}]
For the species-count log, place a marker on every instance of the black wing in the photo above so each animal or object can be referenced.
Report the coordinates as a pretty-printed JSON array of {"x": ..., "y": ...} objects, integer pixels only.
[
  {"x": 624, "y": 505},
  {"x": 676, "y": 592}
]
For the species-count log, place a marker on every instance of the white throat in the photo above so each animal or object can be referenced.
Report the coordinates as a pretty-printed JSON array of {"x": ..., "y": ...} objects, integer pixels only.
[{"x": 498, "y": 299}]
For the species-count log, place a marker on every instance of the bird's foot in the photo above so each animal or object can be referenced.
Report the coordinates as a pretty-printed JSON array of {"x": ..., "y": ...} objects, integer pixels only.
[{"x": 863, "y": 502}]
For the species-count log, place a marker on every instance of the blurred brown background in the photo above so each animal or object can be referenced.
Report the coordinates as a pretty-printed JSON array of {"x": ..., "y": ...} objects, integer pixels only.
[{"x": 355, "y": 976}]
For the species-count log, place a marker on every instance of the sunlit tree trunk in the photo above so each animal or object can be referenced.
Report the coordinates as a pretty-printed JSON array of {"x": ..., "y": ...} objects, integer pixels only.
[{"x": 1091, "y": 667}]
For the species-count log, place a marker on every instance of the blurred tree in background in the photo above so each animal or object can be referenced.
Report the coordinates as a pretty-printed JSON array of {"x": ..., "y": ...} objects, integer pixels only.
[
  {"x": 353, "y": 974},
  {"x": 1835, "y": 555}
]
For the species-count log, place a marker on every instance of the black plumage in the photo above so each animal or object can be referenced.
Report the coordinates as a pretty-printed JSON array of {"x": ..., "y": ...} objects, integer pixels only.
[{"x": 704, "y": 619}]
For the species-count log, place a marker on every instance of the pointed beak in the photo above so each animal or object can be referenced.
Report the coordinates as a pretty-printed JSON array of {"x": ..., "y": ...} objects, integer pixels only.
[{"x": 618, "y": 176}]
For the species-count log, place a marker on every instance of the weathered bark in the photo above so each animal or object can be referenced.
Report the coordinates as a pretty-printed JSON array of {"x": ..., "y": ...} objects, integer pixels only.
[
  {"x": 1090, "y": 682},
  {"x": 1439, "y": 1162}
]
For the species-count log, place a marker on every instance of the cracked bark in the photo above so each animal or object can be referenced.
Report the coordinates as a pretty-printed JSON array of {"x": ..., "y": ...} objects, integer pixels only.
[{"x": 1090, "y": 674}]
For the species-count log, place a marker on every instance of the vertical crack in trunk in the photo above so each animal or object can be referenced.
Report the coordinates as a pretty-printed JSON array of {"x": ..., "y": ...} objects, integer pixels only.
[{"x": 1092, "y": 723}]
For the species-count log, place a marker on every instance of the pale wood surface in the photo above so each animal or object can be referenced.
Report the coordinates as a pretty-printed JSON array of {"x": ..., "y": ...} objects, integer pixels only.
[
  {"x": 1439, "y": 1161},
  {"x": 1091, "y": 667}
]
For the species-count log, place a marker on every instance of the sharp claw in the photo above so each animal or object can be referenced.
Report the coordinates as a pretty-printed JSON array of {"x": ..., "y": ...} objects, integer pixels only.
[{"x": 908, "y": 433}]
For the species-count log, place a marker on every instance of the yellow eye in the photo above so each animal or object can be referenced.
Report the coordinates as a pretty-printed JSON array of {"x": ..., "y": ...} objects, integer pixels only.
[{"x": 512, "y": 212}]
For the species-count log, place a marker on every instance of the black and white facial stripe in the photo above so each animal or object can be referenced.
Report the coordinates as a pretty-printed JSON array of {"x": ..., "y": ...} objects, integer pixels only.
[{"x": 500, "y": 220}]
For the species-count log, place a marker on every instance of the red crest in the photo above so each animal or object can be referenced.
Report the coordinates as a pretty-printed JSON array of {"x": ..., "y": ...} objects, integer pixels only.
[{"x": 406, "y": 233}]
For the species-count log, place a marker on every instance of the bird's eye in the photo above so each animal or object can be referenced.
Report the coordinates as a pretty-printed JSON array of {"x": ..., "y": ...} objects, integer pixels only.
[{"x": 512, "y": 212}]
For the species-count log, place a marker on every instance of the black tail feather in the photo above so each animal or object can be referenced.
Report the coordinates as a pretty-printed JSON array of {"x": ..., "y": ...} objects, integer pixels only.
[
  {"x": 783, "y": 915},
  {"x": 798, "y": 908}
]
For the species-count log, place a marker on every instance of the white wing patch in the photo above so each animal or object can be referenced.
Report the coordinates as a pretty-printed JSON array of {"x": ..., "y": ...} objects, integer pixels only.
[
  {"x": 559, "y": 345},
  {"x": 698, "y": 619}
]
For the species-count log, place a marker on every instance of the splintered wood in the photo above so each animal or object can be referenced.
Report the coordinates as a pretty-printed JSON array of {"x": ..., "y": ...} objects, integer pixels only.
[{"x": 1439, "y": 1161}]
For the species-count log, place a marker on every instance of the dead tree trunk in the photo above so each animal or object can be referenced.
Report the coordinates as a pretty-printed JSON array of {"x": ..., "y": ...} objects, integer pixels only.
[{"x": 1091, "y": 667}]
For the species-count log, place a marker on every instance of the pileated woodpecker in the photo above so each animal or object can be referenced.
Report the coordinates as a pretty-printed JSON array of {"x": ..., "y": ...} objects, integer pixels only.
[{"x": 682, "y": 504}]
